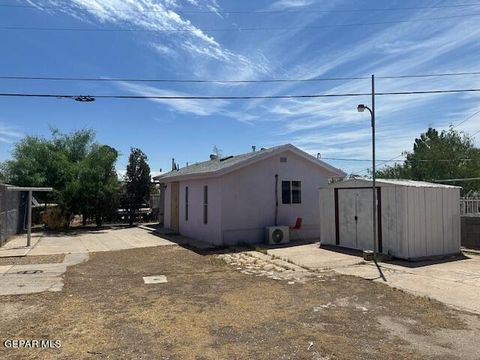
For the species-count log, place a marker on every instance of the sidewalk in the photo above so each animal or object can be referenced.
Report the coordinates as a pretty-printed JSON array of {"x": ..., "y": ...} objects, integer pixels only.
[
  {"x": 17, "y": 246},
  {"x": 455, "y": 283}
]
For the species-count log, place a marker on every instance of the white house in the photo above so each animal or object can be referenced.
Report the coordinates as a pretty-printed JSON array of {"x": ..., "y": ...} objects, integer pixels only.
[
  {"x": 231, "y": 200},
  {"x": 415, "y": 219}
]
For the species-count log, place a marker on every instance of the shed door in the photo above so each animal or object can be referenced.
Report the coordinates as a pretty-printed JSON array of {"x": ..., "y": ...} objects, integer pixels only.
[{"x": 355, "y": 218}]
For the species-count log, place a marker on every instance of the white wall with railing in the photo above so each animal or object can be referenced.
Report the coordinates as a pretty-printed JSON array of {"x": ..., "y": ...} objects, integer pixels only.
[{"x": 470, "y": 206}]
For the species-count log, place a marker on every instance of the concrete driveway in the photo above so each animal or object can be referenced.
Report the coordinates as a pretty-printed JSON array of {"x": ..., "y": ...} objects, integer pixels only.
[
  {"x": 455, "y": 283},
  {"x": 83, "y": 241},
  {"x": 75, "y": 245}
]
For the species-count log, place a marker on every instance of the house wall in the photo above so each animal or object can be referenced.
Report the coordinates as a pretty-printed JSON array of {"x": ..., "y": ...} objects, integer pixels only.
[
  {"x": 248, "y": 199},
  {"x": 194, "y": 226}
]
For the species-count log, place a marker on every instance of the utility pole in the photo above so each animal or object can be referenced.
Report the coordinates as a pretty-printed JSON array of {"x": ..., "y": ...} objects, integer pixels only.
[
  {"x": 361, "y": 108},
  {"x": 374, "y": 189}
]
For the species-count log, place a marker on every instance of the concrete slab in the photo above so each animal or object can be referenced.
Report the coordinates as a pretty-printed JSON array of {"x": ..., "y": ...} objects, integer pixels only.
[
  {"x": 92, "y": 241},
  {"x": 155, "y": 279},
  {"x": 314, "y": 257},
  {"x": 4, "y": 269},
  {"x": 17, "y": 246},
  {"x": 455, "y": 283},
  {"x": 74, "y": 259},
  {"x": 27, "y": 279},
  {"x": 34, "y": 278}
]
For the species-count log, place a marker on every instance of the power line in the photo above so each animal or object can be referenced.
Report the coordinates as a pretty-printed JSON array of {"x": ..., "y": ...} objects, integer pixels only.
[
  {"x": 106, "y": 79},
  {"x": 266, "y": 11},
  {"x": 245, "y": 97},
  {"x": 468, "y": 118},
  {"x": 453, "y": 127},
  {"x": 427, "y": 75},
  {"x": 176, "y": 80},
  {"x": 237, "y": 29},
  {"x": 475, "y": 133}
]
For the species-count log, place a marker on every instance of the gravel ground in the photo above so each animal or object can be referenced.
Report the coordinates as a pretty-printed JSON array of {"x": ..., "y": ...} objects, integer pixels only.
[
  {"x": 26, "y": 260},
  {"x": 212, "y": 310}
]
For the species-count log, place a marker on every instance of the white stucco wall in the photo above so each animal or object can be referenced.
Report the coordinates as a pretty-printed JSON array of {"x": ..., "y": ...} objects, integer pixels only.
[
  {"x": 194, "y": 226},
  {"x": 248, "y": 199}
]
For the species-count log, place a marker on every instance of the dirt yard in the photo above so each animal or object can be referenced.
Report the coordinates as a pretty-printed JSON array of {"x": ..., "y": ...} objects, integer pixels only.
[{"x": 211, "y": 310}]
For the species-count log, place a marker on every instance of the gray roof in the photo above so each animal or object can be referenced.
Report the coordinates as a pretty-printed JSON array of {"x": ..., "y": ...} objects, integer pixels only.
[
  {"x": 215, "y": 166},
  {"x": 398, "y": 182}
]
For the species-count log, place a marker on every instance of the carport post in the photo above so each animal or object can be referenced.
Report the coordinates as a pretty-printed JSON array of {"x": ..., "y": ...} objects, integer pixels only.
[{"x": 29, "y": 219}]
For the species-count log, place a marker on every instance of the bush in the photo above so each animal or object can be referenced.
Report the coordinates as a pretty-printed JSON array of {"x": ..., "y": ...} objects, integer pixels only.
[{"x": 55, "y": 218}]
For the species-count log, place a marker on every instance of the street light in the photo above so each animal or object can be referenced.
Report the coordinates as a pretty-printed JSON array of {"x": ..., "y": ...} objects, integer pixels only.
[{"x": 361, "y": 108}]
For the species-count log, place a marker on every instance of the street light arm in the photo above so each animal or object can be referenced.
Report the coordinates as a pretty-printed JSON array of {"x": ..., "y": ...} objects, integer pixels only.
[{"x": 371, "y": 112}]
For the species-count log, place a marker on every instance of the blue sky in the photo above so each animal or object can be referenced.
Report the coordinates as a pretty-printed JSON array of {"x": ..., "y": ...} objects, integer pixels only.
[{"x": 188, "y": 129}]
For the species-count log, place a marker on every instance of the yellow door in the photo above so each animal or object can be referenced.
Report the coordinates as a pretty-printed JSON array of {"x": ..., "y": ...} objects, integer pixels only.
[{"x": 174, "y": 206}]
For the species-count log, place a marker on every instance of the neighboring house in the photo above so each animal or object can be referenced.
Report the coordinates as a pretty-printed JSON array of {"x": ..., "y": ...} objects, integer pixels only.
[{"x": 231, "y": 200}]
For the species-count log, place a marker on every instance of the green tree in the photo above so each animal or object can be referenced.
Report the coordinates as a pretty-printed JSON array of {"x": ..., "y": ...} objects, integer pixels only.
[
  {"x": 137, "y": 181},
  {"x": 94, "y": 192},
  {"x": 80, "y": 170},
  {"x": 448, "y": 154}
]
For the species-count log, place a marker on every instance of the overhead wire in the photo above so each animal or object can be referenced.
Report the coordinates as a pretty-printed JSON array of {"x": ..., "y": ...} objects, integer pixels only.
[
  {"x": 383, "y": 162},
  {"x": 242, "y": 97},
  {"x": 281, "y": 80},
  {"x": 236, "y": 29},
  {"x": 258, "y": 11}
]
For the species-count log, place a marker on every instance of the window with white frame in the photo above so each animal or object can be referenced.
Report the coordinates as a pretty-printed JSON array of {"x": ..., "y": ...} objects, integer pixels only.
[{"x": 291, "y": 192}]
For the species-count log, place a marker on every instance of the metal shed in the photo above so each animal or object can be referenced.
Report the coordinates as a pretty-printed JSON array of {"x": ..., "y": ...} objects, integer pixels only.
[{"x": 415, "y": 219}]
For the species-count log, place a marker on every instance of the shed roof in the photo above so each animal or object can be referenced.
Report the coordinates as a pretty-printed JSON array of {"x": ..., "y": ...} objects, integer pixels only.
[
  {"x": 230, "y": 163},
  {"x": 396, "y": 182}
]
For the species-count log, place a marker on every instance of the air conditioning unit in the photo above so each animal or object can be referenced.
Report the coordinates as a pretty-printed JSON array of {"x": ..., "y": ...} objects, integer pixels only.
[{"x": 277, "y": 235}]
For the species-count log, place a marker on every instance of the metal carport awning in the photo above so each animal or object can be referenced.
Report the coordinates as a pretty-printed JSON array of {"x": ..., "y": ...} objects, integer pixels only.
[{"x": 30, "y": 190}]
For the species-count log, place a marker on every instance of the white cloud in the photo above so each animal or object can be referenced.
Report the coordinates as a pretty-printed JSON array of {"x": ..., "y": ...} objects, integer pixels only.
[
  {"x": 9, "y": 134},
  {"x": 288, "y": 4},
  {"x": 152, "y": 15},
  {"x": 191, "y": 106}
]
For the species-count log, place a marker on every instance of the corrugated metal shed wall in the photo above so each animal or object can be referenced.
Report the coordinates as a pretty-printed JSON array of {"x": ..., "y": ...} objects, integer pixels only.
[{"x": 417, "y": 221}]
